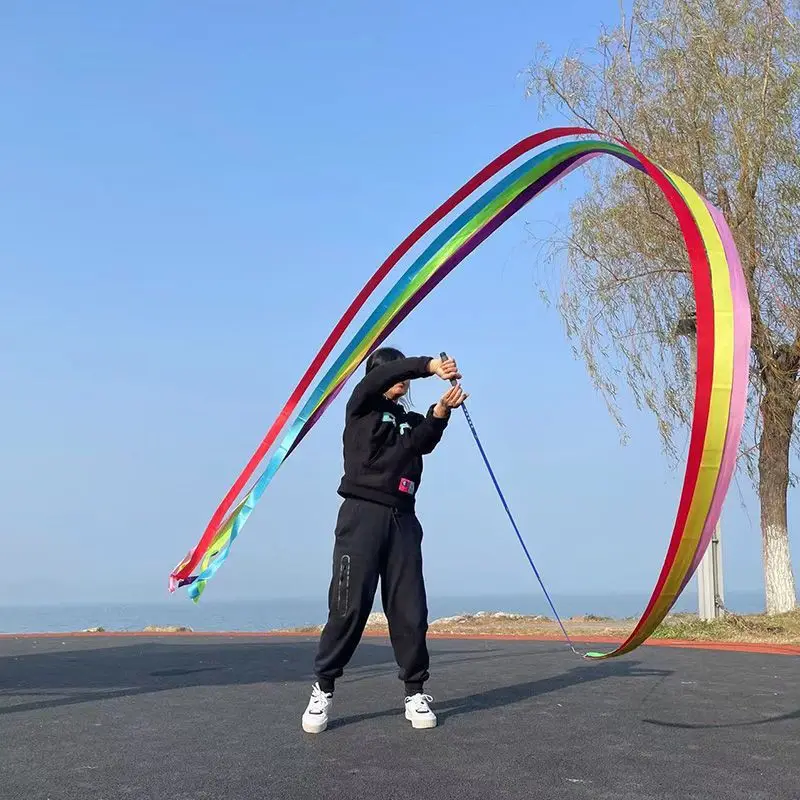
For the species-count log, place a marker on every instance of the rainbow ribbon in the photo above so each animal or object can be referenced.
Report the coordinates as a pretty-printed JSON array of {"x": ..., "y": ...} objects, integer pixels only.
[{"x": 723, "y": 344}]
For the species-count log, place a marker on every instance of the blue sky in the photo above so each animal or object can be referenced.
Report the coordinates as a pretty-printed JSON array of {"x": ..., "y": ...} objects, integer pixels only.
[{"x": 192, "y": 194}]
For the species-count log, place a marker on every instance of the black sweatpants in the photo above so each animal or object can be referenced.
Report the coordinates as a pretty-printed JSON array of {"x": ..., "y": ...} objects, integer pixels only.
[{"x": 375, "y": 541}]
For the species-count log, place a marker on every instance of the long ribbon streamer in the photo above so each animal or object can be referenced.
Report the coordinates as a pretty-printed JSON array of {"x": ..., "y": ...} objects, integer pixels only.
[{"x": 723, "y": 336}]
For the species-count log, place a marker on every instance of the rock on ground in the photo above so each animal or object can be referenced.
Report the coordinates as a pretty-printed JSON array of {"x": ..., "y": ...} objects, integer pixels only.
[{"x": 168, "y": 629}]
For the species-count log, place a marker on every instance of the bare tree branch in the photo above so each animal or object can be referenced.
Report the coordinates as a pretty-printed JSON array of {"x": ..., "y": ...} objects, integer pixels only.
[{"x": 710, "y": 89}]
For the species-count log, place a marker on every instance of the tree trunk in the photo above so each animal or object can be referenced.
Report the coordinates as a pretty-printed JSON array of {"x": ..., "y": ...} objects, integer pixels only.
[{"x": 773, "y": 462}]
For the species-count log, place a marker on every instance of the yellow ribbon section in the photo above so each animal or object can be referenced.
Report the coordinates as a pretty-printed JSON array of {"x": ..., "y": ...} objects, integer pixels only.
[{"x": 722, "y": 385}]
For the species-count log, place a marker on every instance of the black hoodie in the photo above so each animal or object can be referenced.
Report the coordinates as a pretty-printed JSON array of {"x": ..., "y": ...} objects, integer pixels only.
[{"x": 384, "y": 443}]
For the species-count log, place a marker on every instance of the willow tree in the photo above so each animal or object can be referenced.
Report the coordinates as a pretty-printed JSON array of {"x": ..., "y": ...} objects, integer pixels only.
[{"x": 710, "y": 89}]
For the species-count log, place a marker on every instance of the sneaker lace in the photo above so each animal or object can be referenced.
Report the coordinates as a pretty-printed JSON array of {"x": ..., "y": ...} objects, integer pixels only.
[
  {"x": 319, "y": 700},
  {"x": 421, "y": 701}
]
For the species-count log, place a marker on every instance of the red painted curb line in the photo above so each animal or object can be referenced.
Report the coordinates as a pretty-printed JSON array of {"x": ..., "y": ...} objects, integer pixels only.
[{"x": 736, "y": 647}]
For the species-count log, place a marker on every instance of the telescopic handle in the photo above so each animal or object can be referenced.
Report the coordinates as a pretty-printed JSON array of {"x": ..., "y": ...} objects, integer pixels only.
[{"x": 443, "y": 356}]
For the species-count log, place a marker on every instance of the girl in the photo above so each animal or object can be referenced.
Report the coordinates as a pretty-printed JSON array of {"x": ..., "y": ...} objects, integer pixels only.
[{"x": 377, "y": 533}]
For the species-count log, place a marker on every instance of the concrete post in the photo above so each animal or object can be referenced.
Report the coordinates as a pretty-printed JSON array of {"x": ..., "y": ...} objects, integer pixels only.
[{"x": 710, "y": 588}]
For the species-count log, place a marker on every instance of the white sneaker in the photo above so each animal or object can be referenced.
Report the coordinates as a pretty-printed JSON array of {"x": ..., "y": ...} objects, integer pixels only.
[
  {"x": 419, "y": 713},
  {"x": 315, "y": 717}
]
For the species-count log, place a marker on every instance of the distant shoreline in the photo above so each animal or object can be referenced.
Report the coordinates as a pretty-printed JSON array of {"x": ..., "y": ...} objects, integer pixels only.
[{"x": 734, "y": 628}]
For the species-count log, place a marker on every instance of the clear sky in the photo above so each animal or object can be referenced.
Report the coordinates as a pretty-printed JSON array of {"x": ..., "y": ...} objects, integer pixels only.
[{"x": 191, "y": 193}]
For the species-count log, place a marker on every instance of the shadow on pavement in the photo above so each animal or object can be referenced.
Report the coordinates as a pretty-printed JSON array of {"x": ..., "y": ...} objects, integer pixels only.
[
  {"x": 689, "y": 726},
  {"x": 97, "y": 673},
  {"x": 94, "y": 671},
  {"x": 516, "y": 693}
]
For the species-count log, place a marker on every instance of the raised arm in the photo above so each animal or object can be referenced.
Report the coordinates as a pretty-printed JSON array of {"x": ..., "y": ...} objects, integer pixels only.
[
  {"x": 424, "y": 437},
  {"x": 382, "y": 378}
]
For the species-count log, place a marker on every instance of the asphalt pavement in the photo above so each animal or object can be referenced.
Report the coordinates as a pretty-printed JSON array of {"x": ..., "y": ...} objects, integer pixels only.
[{"x": 199, "y": 717}]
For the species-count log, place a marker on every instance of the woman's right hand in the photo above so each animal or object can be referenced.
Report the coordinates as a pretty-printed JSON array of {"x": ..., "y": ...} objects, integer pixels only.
[
  {"x": 452, "y": 398},
  {"x": 447, "y": 370}
]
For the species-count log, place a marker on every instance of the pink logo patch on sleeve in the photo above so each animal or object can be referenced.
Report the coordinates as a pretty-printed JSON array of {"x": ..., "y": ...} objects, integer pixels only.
[{"x": 406, "y": 486}]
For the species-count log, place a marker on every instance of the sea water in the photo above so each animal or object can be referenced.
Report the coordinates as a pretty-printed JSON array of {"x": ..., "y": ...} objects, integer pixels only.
[{"x": 278, "y": 613}]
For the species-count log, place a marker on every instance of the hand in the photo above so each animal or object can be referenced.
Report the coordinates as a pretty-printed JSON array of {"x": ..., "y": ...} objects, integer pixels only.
[
  {"x": 453, "y": 398},
  {"x": 447, "y": 370}
]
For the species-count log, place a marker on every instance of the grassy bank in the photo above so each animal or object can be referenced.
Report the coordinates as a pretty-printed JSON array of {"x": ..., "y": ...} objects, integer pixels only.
[{"x": 778, "y": 629}]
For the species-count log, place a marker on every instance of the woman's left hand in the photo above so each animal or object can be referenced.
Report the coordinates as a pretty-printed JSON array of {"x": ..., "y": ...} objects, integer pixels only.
[{"x": 452, "y": 398}]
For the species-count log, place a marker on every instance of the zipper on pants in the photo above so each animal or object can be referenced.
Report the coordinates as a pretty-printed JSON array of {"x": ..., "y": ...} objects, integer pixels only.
[{"x": 343, "y": 586}]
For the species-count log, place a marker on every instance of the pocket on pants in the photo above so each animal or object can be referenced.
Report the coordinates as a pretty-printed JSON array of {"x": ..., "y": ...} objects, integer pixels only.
[{"x": 343, "y": 586}]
